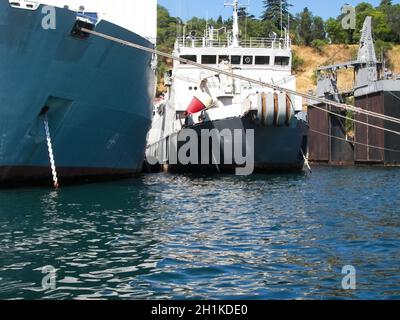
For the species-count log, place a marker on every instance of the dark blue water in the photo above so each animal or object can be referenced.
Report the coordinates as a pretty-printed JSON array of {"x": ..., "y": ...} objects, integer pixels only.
[{"x": 220, "y": 237}]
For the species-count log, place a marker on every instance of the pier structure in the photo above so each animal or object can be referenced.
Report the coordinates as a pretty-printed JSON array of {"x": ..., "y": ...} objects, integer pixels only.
[{"x": 375, "y": 90}]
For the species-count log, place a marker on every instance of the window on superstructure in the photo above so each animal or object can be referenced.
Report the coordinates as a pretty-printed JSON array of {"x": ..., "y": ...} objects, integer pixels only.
[
  {"x": 189, "y": 57},
  {"x": 208, "y": 59},
  {"x": 236, "y": 59},
  {"x": 282, "y": 61},
  {"x": 247, "y": 60},
  {"x": 262, "y": 60},
  {"x": 222, "y": 59}
]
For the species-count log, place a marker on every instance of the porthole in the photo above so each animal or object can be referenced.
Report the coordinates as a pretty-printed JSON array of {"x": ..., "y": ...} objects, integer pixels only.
[{"x": 247, "y": 60}]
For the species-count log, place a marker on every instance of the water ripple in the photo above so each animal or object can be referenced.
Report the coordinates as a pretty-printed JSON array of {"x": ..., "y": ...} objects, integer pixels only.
[{"x": 220, "y": 237}]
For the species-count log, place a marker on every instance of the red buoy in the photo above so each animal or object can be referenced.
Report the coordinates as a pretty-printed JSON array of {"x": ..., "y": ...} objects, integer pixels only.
[
  {"x": 195, "y": 106},
  {"x": 198, "y": 104}
]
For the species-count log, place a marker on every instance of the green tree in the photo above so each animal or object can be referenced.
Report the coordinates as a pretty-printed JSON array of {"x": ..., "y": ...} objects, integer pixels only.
[
  {"x": 305, "y": 24},
  {"x": 274, "y": 10},
  {"x": 166, "y": 34},
  {"x": 243, "y": 13},
  {"x": 310, "y": 27},
  {"x": 166, "y": 29},
  {"x": 318, "y": 28},
  {"x": 394, "y": 22},
  {"x": 384, "y": 4},
  {"x": 380, "y": 27},
  {"x": 197, "y": 25},
  {"x": 297, "y": 62},
  {"x": 335, "y": 31},
  {"x": 392, "y": 13}
]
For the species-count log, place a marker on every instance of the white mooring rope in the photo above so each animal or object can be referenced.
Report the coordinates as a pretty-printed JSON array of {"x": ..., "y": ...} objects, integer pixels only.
[
  {"x": 306, "y": 161},
  {"x": 51, "y": 154},
  {"x": 267, "y": 85},
  {"x": 231, "y": 74}
]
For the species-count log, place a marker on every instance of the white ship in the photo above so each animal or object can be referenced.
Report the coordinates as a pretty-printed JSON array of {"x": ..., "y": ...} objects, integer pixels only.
[{"x": 203, "y": 100}]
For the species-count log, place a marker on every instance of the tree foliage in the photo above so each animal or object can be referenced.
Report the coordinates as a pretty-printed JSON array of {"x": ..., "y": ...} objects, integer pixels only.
[
  {"x": 276, "y": 11},
  {"x": 305, "y": 28}
]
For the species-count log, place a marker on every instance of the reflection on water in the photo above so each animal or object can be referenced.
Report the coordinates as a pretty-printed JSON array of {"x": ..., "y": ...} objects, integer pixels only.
[{"x": 219, "y": 237}]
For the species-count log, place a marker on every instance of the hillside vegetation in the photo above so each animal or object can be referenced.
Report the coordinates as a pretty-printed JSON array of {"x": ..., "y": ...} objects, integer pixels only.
[
  {"x": 331, "y": 54},
  {"x": 394, "y": 58},
  {"x": 316, "y": 41}
]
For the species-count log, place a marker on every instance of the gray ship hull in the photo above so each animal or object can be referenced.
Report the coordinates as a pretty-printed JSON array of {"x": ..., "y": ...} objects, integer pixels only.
[
  {"x": 99, "y": 96},
  {"x": 276, "y": 149}
]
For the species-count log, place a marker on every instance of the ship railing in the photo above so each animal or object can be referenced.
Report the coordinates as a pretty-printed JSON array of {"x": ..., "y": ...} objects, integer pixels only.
[
  {"x": 270, "y": 43},
  {"x": 90, "y": 17},
  {"x": 266, "y": 43}
]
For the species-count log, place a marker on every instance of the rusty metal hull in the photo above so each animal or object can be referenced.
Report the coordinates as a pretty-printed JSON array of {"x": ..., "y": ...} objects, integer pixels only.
[
  {"x": 323, "y": 148},
  {"x": 371, "y": 145},
  {"x": 387, "y": 103}
]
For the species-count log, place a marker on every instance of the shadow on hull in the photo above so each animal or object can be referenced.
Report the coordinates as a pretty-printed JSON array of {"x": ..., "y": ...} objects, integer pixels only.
[{"x": 18, "y": 177}]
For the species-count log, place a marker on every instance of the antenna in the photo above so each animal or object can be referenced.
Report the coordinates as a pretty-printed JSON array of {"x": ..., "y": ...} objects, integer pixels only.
[
  {"x": 288, "y": 30},
  {"x": 281, "y": 18},
  {"x": 235, "y": 28}
]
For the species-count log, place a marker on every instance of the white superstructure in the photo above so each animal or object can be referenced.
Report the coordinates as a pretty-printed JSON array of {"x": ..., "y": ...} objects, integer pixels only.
[
  {"x": 139, "y": 16},
  {"x": 263, "y": 59}
]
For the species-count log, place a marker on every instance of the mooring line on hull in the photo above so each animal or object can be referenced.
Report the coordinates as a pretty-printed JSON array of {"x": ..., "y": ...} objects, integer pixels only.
[
  {"x": 306, "y": 162},
  {"x": 50, "y": 150},
  {"x": 325, "y": 110},
  {"x": 231, "y": 74},
  {"x": 354, "y": 142}
]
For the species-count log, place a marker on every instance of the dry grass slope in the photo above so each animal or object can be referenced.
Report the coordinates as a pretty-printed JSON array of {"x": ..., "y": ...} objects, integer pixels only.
[
  {"x": 333, "y": 54},
  {"x": 394, "y": 56}
]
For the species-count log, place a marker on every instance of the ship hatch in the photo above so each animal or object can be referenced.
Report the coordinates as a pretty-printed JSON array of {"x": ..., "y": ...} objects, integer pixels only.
[
  {"x": 55, "y": 109},
  {"x": 76, "y": 31}
]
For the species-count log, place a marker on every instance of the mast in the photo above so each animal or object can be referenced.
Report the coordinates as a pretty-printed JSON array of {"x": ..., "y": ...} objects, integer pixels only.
[
  {"x": 235, "y": 27},
  {"x": 281, "y": 19}
]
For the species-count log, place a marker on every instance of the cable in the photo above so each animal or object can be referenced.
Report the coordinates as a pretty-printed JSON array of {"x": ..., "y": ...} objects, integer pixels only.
[
  {"x": 356, "y": 121},
  {"x": 354, "y": 142},
  {"x": 274, "y": 87},
  {"x": 231, "y": 74}
]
